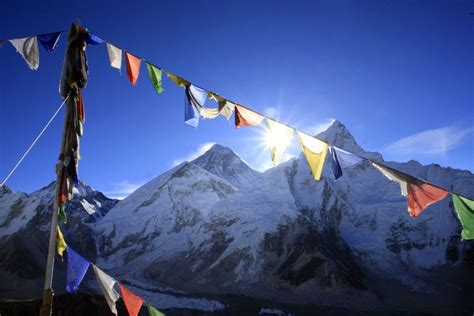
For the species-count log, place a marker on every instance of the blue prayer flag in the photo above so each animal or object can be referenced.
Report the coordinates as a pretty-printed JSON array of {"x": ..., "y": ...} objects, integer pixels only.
[
  {"x": 195, "y": 99},
  {"x": 342, "y": 159},
  {"x": 49, "y": 41},
  {"x": 92, "y": 39},
  {"x": 76, "y": 270}
]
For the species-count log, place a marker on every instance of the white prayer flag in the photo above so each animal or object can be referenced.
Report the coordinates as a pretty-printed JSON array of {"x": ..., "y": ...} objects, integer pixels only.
[
  {"x": 115, "y": 56},
  {"x": 28, "y": 48},
  {"x": 107, "y": 285}
]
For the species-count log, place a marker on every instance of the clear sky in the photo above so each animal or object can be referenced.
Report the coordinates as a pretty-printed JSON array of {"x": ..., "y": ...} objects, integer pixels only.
[{"x": 398, "y": 74}]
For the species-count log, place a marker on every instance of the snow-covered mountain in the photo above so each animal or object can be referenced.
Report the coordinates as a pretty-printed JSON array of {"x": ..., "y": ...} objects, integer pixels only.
[
  {"x": 24, "y": 233},
  {"x": 214, "y": 227}
]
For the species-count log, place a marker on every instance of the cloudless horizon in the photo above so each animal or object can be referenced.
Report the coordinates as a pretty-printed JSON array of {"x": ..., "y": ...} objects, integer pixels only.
[{"x": 399, "y": 75}]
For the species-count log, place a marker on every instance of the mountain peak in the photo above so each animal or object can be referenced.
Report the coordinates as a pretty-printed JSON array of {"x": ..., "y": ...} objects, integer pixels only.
[
  {"x": 5, "y": 190},
  {"x": 225, "y": 163},
  {"x": 338, "y": 135}
]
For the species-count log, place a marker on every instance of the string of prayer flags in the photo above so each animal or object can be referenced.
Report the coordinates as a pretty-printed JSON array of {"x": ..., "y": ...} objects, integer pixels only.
[
  {"x": 28, "y": 48},
  {"x": 133, "y": 302},
  {"x": 246, "y": 117},
  {"x": 341, "y": 159},
  {"x": 92, "y": 39},
  {"x": 76, "y": 270},
  {"x": 60, "y": 242},
  {"x": 115, "y": 56},
  {"x": 315, "y": 152},
  {"x": 178, "y": 80},
  {"x": 195, "y": 98},
  {"x": 133, "y": 67},
  {"x": 154, "y": 312},
  {"x": 49, "y": 41},
  {"x": 465, "y": 210},
  {"x": 155, "y": 75},
  {"x": 419, "y": 194},
  {"x": 106, "y": 283},
  {"x": 278, "y": 138}
]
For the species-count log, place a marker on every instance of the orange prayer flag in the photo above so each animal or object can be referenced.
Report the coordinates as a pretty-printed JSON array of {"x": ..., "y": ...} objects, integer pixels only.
[
  {"x": 246, "y": 117},
  {"x": 419, "y": 194},
  {"x": 133, "y": 67},
  {"x": 420, "y": 197},
  {"x": 133, "y": 302}
]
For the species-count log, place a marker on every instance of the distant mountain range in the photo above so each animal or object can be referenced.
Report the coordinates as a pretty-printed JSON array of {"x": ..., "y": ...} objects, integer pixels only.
[{"x": 214, "y": 229}]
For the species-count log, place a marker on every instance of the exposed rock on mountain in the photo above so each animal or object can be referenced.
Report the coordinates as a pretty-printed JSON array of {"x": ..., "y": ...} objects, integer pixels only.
[{"x": 214, "y": 227}]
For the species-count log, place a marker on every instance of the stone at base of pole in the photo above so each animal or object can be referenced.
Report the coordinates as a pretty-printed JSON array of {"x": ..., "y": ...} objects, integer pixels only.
[{"x": 47, "y": 305}]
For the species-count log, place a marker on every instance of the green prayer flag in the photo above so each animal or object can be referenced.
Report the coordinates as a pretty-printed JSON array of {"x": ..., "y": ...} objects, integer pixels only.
[
  {"x": 62, "y": 212},
  {"x": 154, "y": 312},
  {"x": 155, "y": 77},
  {"x": 465, "y": 209}
]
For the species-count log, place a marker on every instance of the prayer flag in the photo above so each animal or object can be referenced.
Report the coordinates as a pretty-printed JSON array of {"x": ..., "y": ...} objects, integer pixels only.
[
  {"x": 315, "y": 152},
  {"x": 246, "y": 117},
  {"x": 226, "y": 108},
  {"x": 28, "y": 48},
  {"x": 92, "y": 39},
  {"x": 133, "y": 302},
  {"x": 195, "y": 98},
  {"x": 178, "y": 80},
  {"x": 72, "y": 170},
  {"x": 208, "y": 113},
  {"x": 278, "y": 139},
  {"x": 49, "y": 41},
  {"x": 419, "y": 194},
  {"x": 115, "y": 56},
  {"x": 60, "y": 242},
  {"x": 106, "y": 283},
  {"x": 465, "y": 210},
  {"x": 62, "y": 212},
  {"x": 341, "y": 159},
  {"x": 155, "y": 77},
  {"x": 133, "y": 67},
  {"x": 154, "y": 312},
  {"x": 76, "y": 270}
]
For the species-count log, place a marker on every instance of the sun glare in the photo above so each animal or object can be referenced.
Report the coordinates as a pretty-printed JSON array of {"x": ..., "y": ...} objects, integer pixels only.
[{"x": 276, "y": 139}]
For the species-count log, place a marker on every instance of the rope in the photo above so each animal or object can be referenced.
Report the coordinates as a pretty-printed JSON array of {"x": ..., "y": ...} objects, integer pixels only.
[{"x": 34, "y": 142}]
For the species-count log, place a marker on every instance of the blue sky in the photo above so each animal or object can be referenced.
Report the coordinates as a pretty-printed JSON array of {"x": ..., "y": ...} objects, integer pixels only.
[{"x": 398, "y": 74}]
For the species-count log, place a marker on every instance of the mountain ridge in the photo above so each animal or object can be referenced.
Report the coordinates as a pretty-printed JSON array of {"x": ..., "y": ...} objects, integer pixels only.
[{"x": 215, "y": 226}]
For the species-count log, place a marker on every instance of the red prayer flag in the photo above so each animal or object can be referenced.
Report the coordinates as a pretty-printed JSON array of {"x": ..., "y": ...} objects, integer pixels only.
[
  {"x": 419, "y": 194},
  {"x": 133, "y": 302},
  {"x": 246, "y": 117},
  {"x": 420, "y": 197},
  {"x": 133, "y": 67}
]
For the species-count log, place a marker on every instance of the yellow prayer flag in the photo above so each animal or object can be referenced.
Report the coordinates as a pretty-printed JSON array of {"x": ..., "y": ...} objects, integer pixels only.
[
  {"x": 178, "y": 80},
  {"x": 278, "y": 139},
  {"x": 315, "y": 153},
  {"x": 60, "y": 242}
]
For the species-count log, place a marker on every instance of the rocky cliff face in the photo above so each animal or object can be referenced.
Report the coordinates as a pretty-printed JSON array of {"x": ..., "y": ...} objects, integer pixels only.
[{"x": 214, "y": 226}]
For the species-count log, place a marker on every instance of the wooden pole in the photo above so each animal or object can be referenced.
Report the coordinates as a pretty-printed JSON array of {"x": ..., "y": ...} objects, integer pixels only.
[
  {"x": 47, "y": 306},
  {"x": 68, "y": 87}
]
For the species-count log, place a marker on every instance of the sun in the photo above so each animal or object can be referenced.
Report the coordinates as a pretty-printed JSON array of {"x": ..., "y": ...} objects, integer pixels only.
[{"x": 276, "y": 139}]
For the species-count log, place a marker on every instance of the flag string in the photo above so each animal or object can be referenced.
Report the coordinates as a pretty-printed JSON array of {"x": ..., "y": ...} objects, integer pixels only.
[{"x": 266, "y": 116}]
